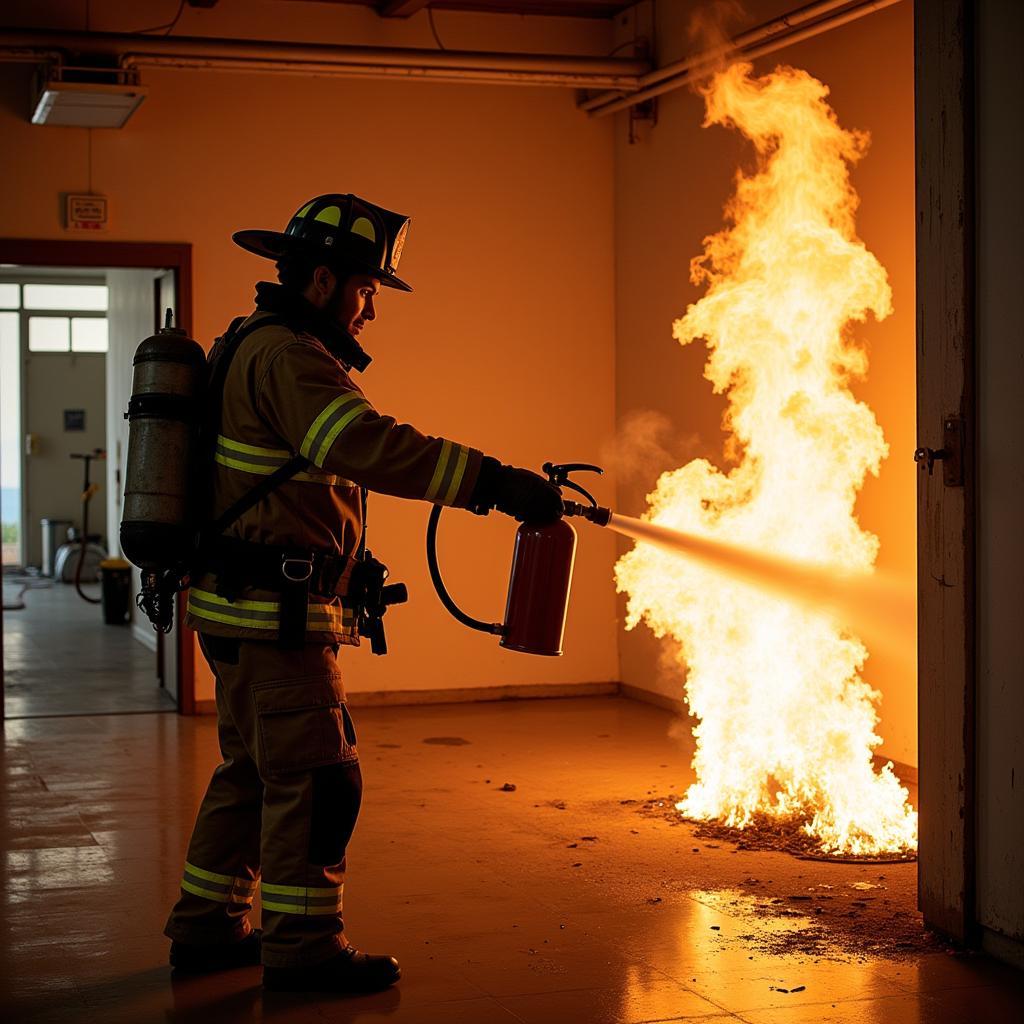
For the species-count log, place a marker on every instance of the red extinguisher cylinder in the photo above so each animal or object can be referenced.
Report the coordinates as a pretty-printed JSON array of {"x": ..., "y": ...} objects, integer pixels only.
[{"x": 538, "y": 591}]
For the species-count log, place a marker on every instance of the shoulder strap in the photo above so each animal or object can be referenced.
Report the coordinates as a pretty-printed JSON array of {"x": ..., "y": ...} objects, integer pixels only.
[
  {"x": 220, "y": 363},
  {"x": 269, "y": 483}
]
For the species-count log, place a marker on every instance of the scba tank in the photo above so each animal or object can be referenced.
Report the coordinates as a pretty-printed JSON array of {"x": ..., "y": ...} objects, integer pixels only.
[{"x": 165, "y": 416}]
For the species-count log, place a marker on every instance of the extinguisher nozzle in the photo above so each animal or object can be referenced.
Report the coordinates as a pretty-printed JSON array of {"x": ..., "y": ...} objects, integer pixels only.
[{"x": 597, "y": 514}]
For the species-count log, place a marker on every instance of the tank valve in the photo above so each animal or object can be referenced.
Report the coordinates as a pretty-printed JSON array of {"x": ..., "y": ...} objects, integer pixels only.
[{"x": 559, "y": 473}]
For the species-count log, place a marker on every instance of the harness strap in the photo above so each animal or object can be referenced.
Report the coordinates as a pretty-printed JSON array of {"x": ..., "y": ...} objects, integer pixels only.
[
  {"x": 293, "y": 572},
  {"x": 241, "y": 563}
]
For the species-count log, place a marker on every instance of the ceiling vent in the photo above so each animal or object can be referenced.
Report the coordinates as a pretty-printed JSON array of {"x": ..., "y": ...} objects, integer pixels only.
[{"x": 86, "y": 97}]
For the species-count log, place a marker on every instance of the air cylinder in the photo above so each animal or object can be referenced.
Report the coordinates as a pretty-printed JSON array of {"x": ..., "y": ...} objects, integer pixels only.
[{"x": 164, "y": 417}]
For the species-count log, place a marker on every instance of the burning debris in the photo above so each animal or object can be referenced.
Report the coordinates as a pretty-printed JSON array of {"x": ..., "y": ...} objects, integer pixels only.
[{"x": 786, "y": 724}]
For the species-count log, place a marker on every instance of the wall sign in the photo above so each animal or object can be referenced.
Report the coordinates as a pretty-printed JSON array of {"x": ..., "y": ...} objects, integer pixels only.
[
  {"x": 74, "y": 419},
  {"x": 85, "y": 212}
]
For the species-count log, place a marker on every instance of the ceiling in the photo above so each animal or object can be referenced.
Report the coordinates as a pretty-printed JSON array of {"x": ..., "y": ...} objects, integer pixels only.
[{"x": 561, "y": 8}]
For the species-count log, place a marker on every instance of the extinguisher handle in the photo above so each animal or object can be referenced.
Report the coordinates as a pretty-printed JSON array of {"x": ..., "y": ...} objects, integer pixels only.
[{"x": 558, "y": 474}]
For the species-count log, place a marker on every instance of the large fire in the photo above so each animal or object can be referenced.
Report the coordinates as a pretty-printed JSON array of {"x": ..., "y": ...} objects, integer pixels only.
[{"x": 786, "y": 722}]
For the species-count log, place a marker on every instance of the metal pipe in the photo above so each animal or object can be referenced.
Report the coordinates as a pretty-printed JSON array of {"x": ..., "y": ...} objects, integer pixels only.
[
  {"x": 771, "y": 28},
  {"x": 321, "y": 69},
  {"x": 701, "y": 66},
  {"x": 297, "y": 58}
]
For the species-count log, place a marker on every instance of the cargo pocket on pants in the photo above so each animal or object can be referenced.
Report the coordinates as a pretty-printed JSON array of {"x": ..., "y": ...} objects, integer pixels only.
[{"x": 303, "y": 723}]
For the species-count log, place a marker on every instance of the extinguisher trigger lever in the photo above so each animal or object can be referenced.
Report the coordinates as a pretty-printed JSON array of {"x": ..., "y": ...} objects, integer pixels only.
[{"x": 558, "y": 474}]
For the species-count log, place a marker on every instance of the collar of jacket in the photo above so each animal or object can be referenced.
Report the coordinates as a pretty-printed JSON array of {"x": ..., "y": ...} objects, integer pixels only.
[{"x": 297, "y": 311}]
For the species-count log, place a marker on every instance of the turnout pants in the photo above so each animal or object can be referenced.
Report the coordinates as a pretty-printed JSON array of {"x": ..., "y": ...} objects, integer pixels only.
[{"x": 280, "y": 808}]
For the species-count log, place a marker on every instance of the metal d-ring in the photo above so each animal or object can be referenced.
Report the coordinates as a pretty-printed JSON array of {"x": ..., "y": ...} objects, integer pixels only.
[{"x": 306, "y": 562}]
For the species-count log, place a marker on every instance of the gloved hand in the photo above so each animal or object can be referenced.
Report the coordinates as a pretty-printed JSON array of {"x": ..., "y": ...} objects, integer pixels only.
[{"x": 519, "y": 493}]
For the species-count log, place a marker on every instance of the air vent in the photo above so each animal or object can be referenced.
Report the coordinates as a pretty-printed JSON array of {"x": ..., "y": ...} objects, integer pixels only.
[{"x": 86, "y": 97}]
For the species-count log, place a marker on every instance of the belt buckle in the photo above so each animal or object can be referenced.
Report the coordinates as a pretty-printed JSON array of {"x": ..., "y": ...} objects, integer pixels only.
[{"x": 306, "y": 563}]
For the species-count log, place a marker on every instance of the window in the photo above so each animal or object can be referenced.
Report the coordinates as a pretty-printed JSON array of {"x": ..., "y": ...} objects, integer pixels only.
[
  {"x": 66, "y": 296},
  {"x": 49, "y": 334},
  {"x": 89, "y": 334},
  {"x": 10, "y": 296}
]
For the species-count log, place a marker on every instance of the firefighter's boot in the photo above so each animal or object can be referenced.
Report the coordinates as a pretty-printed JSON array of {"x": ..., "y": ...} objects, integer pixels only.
[
  {"x": 192, "y": 959},
  {"x": 348, "y": 971}
]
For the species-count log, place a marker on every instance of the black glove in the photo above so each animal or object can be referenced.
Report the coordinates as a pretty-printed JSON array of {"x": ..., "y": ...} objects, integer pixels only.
[{"x": 525, "y": 496}]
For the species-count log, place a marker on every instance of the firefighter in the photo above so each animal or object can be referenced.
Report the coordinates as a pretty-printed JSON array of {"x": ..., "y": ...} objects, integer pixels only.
[{"x": 284, "y": 588}]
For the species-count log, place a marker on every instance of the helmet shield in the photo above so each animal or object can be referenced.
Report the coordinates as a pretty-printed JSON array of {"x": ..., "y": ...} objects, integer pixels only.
[{"x": 345, "y": 231}]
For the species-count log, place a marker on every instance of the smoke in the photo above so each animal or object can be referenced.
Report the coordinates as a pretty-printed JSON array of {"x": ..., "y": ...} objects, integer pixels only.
[
  {"x": 646, "y": 446},
  {"x": 710, "y": 32},
  {"x": 712, "y": 26}
]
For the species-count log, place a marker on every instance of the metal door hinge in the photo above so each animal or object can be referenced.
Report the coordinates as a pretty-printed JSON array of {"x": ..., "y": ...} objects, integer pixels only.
[{"x": 951, "y": 454}]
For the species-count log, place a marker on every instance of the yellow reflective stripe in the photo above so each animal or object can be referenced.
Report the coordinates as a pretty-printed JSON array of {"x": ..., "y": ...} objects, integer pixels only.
[
  {"x": 207, "y": 894},
  {"x": 460, "y": 472},
  {"x": 339, "y": 426},
  {"x": 325, "y": 479},
  {"x": 232, "y": 620},
  {"x": 325, "y": 415},
  {"x": 329, "y": 215},
  {"x": 252, "y": 449},
  {"x": 361, "y": 226},
  {"x": 300, "y": 890},
  {"x": 252, "y": 606},
  {"x": 288, "y": 908},
  {"x": 247, "y": 467},
  {"x": 439, "y": 470},
  {"x": 201, "y": 872},
  {"x": 223, "y": 880},
  {"x": 321, "y": 617}
]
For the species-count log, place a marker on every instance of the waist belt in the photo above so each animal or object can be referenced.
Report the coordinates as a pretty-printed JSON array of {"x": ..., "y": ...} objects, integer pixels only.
[{"x": 292, "y": 572}]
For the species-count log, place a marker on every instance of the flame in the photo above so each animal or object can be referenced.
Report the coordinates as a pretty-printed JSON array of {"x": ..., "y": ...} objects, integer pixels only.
[{"x": 787, "y": 724}]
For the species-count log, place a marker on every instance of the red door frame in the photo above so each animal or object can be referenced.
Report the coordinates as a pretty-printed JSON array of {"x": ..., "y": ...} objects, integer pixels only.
[{"x": 44, "y": 252}]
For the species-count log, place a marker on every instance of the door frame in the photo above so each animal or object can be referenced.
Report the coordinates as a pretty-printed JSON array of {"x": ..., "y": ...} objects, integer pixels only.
[
  {"x": 947, "y": 515},
  {"x": 176, "y": 256}
]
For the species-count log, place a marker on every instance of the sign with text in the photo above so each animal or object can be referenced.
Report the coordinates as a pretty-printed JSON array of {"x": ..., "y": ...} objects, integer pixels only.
[{"x": 85, "y": 212}]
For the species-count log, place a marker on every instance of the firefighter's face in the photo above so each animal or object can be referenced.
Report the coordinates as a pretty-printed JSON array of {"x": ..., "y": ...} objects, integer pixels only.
[
  {"x": 353, "y": 302},
  {"x": 349, "y": 301}
]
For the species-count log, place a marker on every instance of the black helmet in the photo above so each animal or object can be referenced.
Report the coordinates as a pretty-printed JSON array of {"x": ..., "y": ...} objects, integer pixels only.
[{"x": 347, "y": 231}]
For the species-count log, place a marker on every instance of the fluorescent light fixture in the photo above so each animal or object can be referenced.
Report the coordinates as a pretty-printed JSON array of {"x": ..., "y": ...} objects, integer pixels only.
[{"x": 86, "y": 104}]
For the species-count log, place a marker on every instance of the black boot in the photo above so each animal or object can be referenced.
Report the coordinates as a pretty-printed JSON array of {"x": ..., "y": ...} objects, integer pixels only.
[
  {"x": 190, "y": 959},
  {"x": 347, "y": 971}
]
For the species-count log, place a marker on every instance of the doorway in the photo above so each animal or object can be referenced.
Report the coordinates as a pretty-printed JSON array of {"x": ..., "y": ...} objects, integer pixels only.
[{"x": 69, "y": 325}]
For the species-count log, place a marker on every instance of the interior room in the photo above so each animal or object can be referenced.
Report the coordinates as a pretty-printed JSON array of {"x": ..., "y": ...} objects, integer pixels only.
[
  {"x": 62, "y": 388},
  {"x": 755, "y": 264}
]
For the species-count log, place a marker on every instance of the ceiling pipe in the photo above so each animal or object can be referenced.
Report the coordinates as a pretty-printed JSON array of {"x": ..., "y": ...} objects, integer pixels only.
[
  {"x": 763, "y": 40},
  {"x": 197, "y": 53},
  {"x": 710, "y": 57}
]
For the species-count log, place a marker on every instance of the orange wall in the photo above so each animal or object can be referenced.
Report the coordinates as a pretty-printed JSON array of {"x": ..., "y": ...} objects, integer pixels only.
[
  {"x": 507, "y": 342},
  {"x": 670, "y": 189}
]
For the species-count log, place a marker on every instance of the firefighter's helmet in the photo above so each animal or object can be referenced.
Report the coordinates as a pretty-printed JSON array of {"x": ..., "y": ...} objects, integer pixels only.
[{"x": 349, "y": 232}]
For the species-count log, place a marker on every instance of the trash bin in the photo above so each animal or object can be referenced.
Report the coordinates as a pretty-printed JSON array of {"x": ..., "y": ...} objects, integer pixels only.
[
  {"x": 115, "y": 596},
  {"x": 55, "y": 532}
]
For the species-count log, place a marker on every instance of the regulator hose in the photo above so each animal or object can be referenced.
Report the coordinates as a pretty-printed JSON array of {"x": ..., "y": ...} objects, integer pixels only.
[{"x": 496, "y": 628}]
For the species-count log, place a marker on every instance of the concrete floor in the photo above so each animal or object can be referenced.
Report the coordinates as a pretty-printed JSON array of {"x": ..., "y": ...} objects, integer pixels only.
[
  {"x": 61, "y": 659},
  {"x": 561, "y": 901}
]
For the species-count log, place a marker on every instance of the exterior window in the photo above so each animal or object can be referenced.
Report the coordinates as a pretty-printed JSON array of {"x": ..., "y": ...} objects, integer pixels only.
[
  {"x": 66, "y": 296},
  {"x": 89, "y": 334},
  {"x": 49, "y": 334},
  {"x": 10, "y": 297}
]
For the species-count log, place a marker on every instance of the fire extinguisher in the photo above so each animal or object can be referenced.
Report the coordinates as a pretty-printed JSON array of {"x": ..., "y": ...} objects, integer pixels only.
[{"x": 542, "y": 563}]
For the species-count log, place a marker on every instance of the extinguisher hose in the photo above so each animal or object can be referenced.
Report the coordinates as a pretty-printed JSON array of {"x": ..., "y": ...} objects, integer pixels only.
[{"x": 442, "y": 591}]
